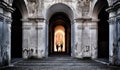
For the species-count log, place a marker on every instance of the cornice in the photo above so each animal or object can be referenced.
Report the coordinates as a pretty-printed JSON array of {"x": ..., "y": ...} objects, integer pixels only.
[
  {"x": 83, "y": 19},
  {"x": 114, "y": 7},
  {"x": 6, "y": 6}
]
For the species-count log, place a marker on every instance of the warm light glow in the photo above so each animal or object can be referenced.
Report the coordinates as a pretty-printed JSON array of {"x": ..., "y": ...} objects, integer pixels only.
[{"x": 59, "y": 39}]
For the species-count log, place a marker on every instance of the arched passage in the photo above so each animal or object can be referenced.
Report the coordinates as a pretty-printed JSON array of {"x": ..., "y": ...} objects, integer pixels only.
[
  {"x": 59, "y": 22},
  {"x": 16, "y": 33},
  {"x": 19, "y": 13},
  {"x": 100, "y": 13},
  {"x": 103, "y": 33},
  {"x": 59, "y": 14}
]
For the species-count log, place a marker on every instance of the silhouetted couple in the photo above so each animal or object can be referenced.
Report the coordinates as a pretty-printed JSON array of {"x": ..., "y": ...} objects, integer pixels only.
[{"x": 59, "y": 45}]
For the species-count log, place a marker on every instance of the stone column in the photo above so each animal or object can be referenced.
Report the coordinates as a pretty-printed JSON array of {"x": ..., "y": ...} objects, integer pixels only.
[
  {"x": 5, "y": 33},
  {"x": 94, "y": 38},
  {"x": 41, "y": 29},
  {"x": 1, "y": 35},
  {"x": 78, "y": 39},
  {"x": 114, "y": 15},
  {"x": 8, "y": 42},
  {"x": 118, "y": 38},
  {"x": 33, "y": 39},
  {"x": 112, "y": 35},
  {"x": 5, "y": 39},
  {"x": 118, "y": 34},
  {"x": 47, "y": 37},
  {"x": 112, "y": 38},
  {"x": 85, "y": 38},
  {"x": 25, "y": 42},
  {"x": 73, "y": 38}
]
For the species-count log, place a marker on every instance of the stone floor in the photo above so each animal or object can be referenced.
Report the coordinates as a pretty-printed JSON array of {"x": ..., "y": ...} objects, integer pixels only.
[{"x": 58, "y": 63}]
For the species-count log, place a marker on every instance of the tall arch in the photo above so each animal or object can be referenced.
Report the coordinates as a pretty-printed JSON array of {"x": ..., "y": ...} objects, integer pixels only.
[
  {"x": 59, "y": 7},
  {"x": 98, "y": 7},
  {"x": 64, "y": 10},
  {"x": 21, "y": 5},
  {"x": 20, "y": 12},
  {"x": 100, "y": 13}
]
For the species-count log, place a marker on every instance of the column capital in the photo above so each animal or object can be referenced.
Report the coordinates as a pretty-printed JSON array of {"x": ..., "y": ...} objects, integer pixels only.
[
  {"x": 112, "y": 21},
  {"x": 9, "y": 21}
]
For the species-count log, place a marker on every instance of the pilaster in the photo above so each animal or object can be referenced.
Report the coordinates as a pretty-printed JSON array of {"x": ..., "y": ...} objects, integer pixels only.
[
  {"x": 114, "y": 13},
  {"x": 85, "y": 38},
  {"x": 5, "y": 36}
]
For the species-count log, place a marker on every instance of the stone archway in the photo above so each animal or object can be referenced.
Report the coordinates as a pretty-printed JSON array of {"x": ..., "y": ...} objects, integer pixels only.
[
  {"x": 103, "y": 33},
  {"x": 19, "y": 13},
  {"x": 99, "y": 12},
  {"x": 60, "y": 21},
  {"x": 63, "y": 10},
  {"x": 16, "y": 33}
]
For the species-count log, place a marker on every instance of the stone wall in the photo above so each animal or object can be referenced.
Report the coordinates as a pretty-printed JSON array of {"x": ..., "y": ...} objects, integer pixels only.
[
  {"x": 37, "y": 37},
  {"x": 85, "y": 38},
  {"x": 5, "y": 33},
  {"x": 114, "y": 30},
  {"x": 83, "y": 28}
]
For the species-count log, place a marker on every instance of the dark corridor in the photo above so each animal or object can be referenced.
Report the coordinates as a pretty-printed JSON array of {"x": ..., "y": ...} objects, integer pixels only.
[
  {"x": 103, "y": 33},
  {"x": 16, "y": 33},
  {"x": 60, "y": 19}
]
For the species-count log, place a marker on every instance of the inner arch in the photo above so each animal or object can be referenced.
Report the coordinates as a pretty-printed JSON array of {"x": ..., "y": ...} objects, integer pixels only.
[{"x": 59, "y": 7}]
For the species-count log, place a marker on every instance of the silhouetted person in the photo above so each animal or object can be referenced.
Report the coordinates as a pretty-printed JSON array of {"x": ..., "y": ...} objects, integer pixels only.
[
  {"x": 61, "y": 46},
  {"x": 57, "y": 47}
]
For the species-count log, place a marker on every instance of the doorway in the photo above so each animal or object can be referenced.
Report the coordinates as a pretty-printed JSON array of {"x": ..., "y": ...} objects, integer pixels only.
[
  {"x": 103, "y": 33},
  {"x": 59, "y": 39},
  {"x": 59, "y": 34},
  {"x": 16, "y": 33}
]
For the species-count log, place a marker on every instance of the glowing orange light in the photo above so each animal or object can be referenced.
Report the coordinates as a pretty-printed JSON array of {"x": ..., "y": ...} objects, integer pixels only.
[{"x": 59, "y": 39}]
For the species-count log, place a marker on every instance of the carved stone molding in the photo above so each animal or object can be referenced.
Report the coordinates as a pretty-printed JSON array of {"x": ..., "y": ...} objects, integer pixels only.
[
  {"x": 6, "y": 6},
  {"x": 114, "y": 7},
  {"x": 83, "y": 20},
  {"x": 36, "y": 19},
  {"x": 26, "y": 27},
  {"x": 40, "y": 27}
]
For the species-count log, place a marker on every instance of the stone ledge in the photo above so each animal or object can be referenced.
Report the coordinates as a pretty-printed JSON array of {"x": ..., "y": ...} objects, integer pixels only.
[
  {"x": 83, "y": 19},
  {"x": 37, "y": 19}
]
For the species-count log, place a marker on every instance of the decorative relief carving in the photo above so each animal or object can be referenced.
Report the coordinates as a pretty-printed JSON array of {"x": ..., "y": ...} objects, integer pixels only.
[
  {"x": 57, "y": 1},
  {"x": 83, "y": 6},
  {"x": 33, "y": 6}
]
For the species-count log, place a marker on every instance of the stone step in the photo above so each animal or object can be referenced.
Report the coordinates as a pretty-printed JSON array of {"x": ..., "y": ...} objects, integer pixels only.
[
  {"x": 61, "y": 68},
  {"x": 59, "y": 63}
]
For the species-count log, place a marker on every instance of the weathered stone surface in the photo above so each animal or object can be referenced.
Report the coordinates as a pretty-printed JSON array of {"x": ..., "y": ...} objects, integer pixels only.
[
  {"x": 59, "y": 63},
  {"x": 84, "y": 33}
]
